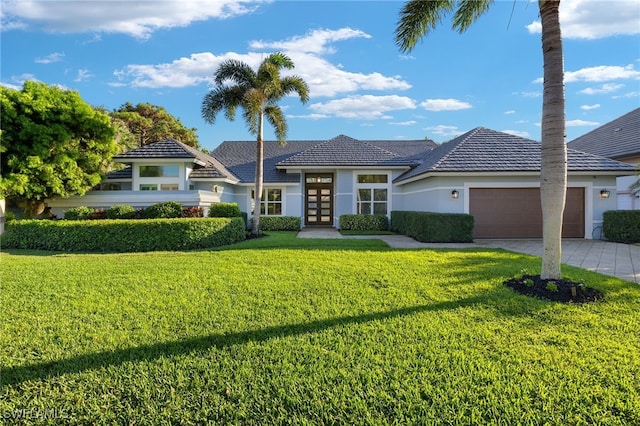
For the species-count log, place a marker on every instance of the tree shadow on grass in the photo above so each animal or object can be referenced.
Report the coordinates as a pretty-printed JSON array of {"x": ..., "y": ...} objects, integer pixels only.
[{"x": 78, "y": 364}]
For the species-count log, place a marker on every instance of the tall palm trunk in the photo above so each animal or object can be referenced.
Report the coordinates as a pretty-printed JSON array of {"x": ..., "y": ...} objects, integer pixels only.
[
  {"x": 255, "y": 227},
  {"x": 553, "y": 173}
]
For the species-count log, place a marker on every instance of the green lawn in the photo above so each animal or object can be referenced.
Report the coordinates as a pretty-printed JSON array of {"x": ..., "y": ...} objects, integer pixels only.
[{"x": 285, "y": 330}]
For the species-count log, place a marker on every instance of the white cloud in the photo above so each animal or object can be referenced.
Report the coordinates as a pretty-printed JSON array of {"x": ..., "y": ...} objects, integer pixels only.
[
  {"x": 581, "y": 123},
  {"x": 605, "y": 88},
  {"x": 366, "y": 107},
  {"x": 528, "y": 94},
  {"x": 443, "y": 130},
  {"x": 49, "y": 59},
  {"x": 589, "y": 107},
  {"x": 10, "y": 86},
  {"x": 83, "y": 74},
  {"x": 588, "y": 19},
  {"x": 317, "y": 41},
  {"x": 509, "y": 112},
  {"x": 323, "y": 77},
  {"x": 600, "y": 73},
  {"x": 444, "y": 105},
  {"x": 628, "y": 95},
  {"x": 406, "y": 57},
  {"x": 520, "y": 133},
  {"x": 138, "y": 19},
  {"x": 404, "y": 123}
]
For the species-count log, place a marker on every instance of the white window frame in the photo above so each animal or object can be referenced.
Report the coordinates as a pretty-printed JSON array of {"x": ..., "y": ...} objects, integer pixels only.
[
  {"x": 265, "y": 202},
  {"x": 371, "y": 186}
]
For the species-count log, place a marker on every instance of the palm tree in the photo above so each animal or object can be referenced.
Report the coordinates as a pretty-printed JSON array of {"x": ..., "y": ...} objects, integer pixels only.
[
  {"x": 419, "y": 17},
  {"x": 257, "y": 93}
]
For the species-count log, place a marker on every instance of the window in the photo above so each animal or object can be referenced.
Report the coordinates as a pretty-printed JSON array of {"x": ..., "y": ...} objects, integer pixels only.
[
  {"x": 271, "y": 204},
  {"x": 159, "y": 171},
  {"x": 373, "y": 194},
  {"x": 148, "y": 187},
  {"x": 319, "y": 179},
  {"x": 372, "y": 178},
  {"x": 169, "y": 187}
]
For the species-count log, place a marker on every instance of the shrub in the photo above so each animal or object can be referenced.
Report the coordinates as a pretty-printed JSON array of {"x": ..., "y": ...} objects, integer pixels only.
[
  {"x": 622, "y": 226},
  {"x": 121, "y": 212},
  {"x": 165, "y": 210},
  {"x": 364, "y": 222},
  {"x": 279, "y": 223},
  {"x": 97, "y": 214},
  {"x": 429, "y": 227},
  {"x": 123, "y": 235},
  {"x": 224, "y": 210},
  {"x": 192, "y": 211},
  {"x": 78, "y": 213},
  {"x": 10, "y": 216}
]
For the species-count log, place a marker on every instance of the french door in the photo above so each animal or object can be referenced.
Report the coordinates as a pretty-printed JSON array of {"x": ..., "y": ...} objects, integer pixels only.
[{"x": 318, "y": 199}]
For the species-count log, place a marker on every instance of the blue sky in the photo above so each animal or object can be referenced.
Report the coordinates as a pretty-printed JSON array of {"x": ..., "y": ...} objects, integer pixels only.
[{"x": 361, "y": 85}]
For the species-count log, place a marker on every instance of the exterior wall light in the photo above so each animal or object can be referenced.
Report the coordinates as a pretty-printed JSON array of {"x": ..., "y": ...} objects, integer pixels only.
[
  {"x": 455, "y": 194},
  {"x": 604, "y": 193}
]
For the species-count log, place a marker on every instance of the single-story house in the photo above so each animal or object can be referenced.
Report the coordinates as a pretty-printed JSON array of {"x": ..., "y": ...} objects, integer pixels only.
[
  {"x": 619, "y": 140},
  {"x": 492, "y": 175}
]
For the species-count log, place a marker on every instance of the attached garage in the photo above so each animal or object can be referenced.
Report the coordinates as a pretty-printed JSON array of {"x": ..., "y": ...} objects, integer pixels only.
[{"x": 516, "y": 213}]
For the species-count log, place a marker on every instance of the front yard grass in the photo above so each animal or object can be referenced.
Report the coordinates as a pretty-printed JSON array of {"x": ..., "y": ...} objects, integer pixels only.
[{"x": 302, "y": 331}]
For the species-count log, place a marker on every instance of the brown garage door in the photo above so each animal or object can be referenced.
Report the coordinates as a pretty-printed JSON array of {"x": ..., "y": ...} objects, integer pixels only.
[{"x": 516, "y": 213}]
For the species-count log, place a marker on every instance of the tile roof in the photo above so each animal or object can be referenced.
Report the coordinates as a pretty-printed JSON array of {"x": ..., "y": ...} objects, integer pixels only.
[
  {"x": 125, "y": 173},
  {"x": 171, "y": 148},
  {"x": 616, "y": 139},
  {"x": 345, "y": 151},
  {"x": 240, "y": 156},
  {"x": 486, "y": 150}
]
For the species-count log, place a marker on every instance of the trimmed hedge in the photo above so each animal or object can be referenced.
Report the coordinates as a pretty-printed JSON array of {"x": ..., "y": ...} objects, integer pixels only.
[
  {"x": 123, "y": 235},
  {"x": 364, "y": 222},
  {"x": 621, "y": 226},
  {"x": 224, "y": 210},
  {"x": 78, "y": 213},
  {"x": 429, "y": 227},
  {"x": 279, "y": 223},
  {"x": 165, "y": 210},
  {"x": 121, "y": 212}
]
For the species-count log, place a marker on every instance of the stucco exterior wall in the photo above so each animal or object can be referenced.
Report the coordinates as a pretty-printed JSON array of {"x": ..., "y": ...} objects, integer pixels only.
[
  {"x": 434, "y": 194},
  {"x": 137, "y": 199}
]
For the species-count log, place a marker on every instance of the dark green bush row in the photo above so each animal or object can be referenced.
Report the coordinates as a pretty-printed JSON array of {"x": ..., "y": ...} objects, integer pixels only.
[
  {"x": 622, "y": 226},
  {"x": 165, "y": 210},
  {"x": 123, "y": 235},
  {"x": 224, "y": 210},
  {"x": 78, "y": 213},
  {"x": 428, "y": 227},
  {"x": 279, "y": 223},
  {"x": 121, "y": 212},
  {"x": 364, "y": 222}
]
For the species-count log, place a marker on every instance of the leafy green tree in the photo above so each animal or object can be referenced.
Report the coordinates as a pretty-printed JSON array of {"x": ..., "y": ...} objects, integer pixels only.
[
  {"x": 151, "y": 123},
  {"x": 257, "y": 93},
  {"x": 418, "y": 18},
  {"x": 53, "y": 144}
]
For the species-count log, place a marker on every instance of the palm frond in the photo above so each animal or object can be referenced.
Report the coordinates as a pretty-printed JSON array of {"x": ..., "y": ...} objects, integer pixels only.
[
  {"x": 468, "y": 12},
  {"x": 296, "y": 84},
  {"x": 235, "y": 71},
  {"x": 417, "y": 19},
  {"x": 275, "y": 117},
  {"x": 280, "y": 60},
  {"x": 219, "y": 99}
]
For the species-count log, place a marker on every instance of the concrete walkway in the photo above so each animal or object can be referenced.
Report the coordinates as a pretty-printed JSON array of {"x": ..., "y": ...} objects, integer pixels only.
[{"x": 618, "y": 260}]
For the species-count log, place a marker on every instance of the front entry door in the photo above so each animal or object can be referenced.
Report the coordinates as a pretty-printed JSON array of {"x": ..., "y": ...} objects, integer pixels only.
[{"x": 318, "y": 200}]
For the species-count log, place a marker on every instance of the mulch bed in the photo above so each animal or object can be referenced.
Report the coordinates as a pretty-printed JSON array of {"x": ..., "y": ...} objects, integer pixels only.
[{"x": 556, "y": 290}]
